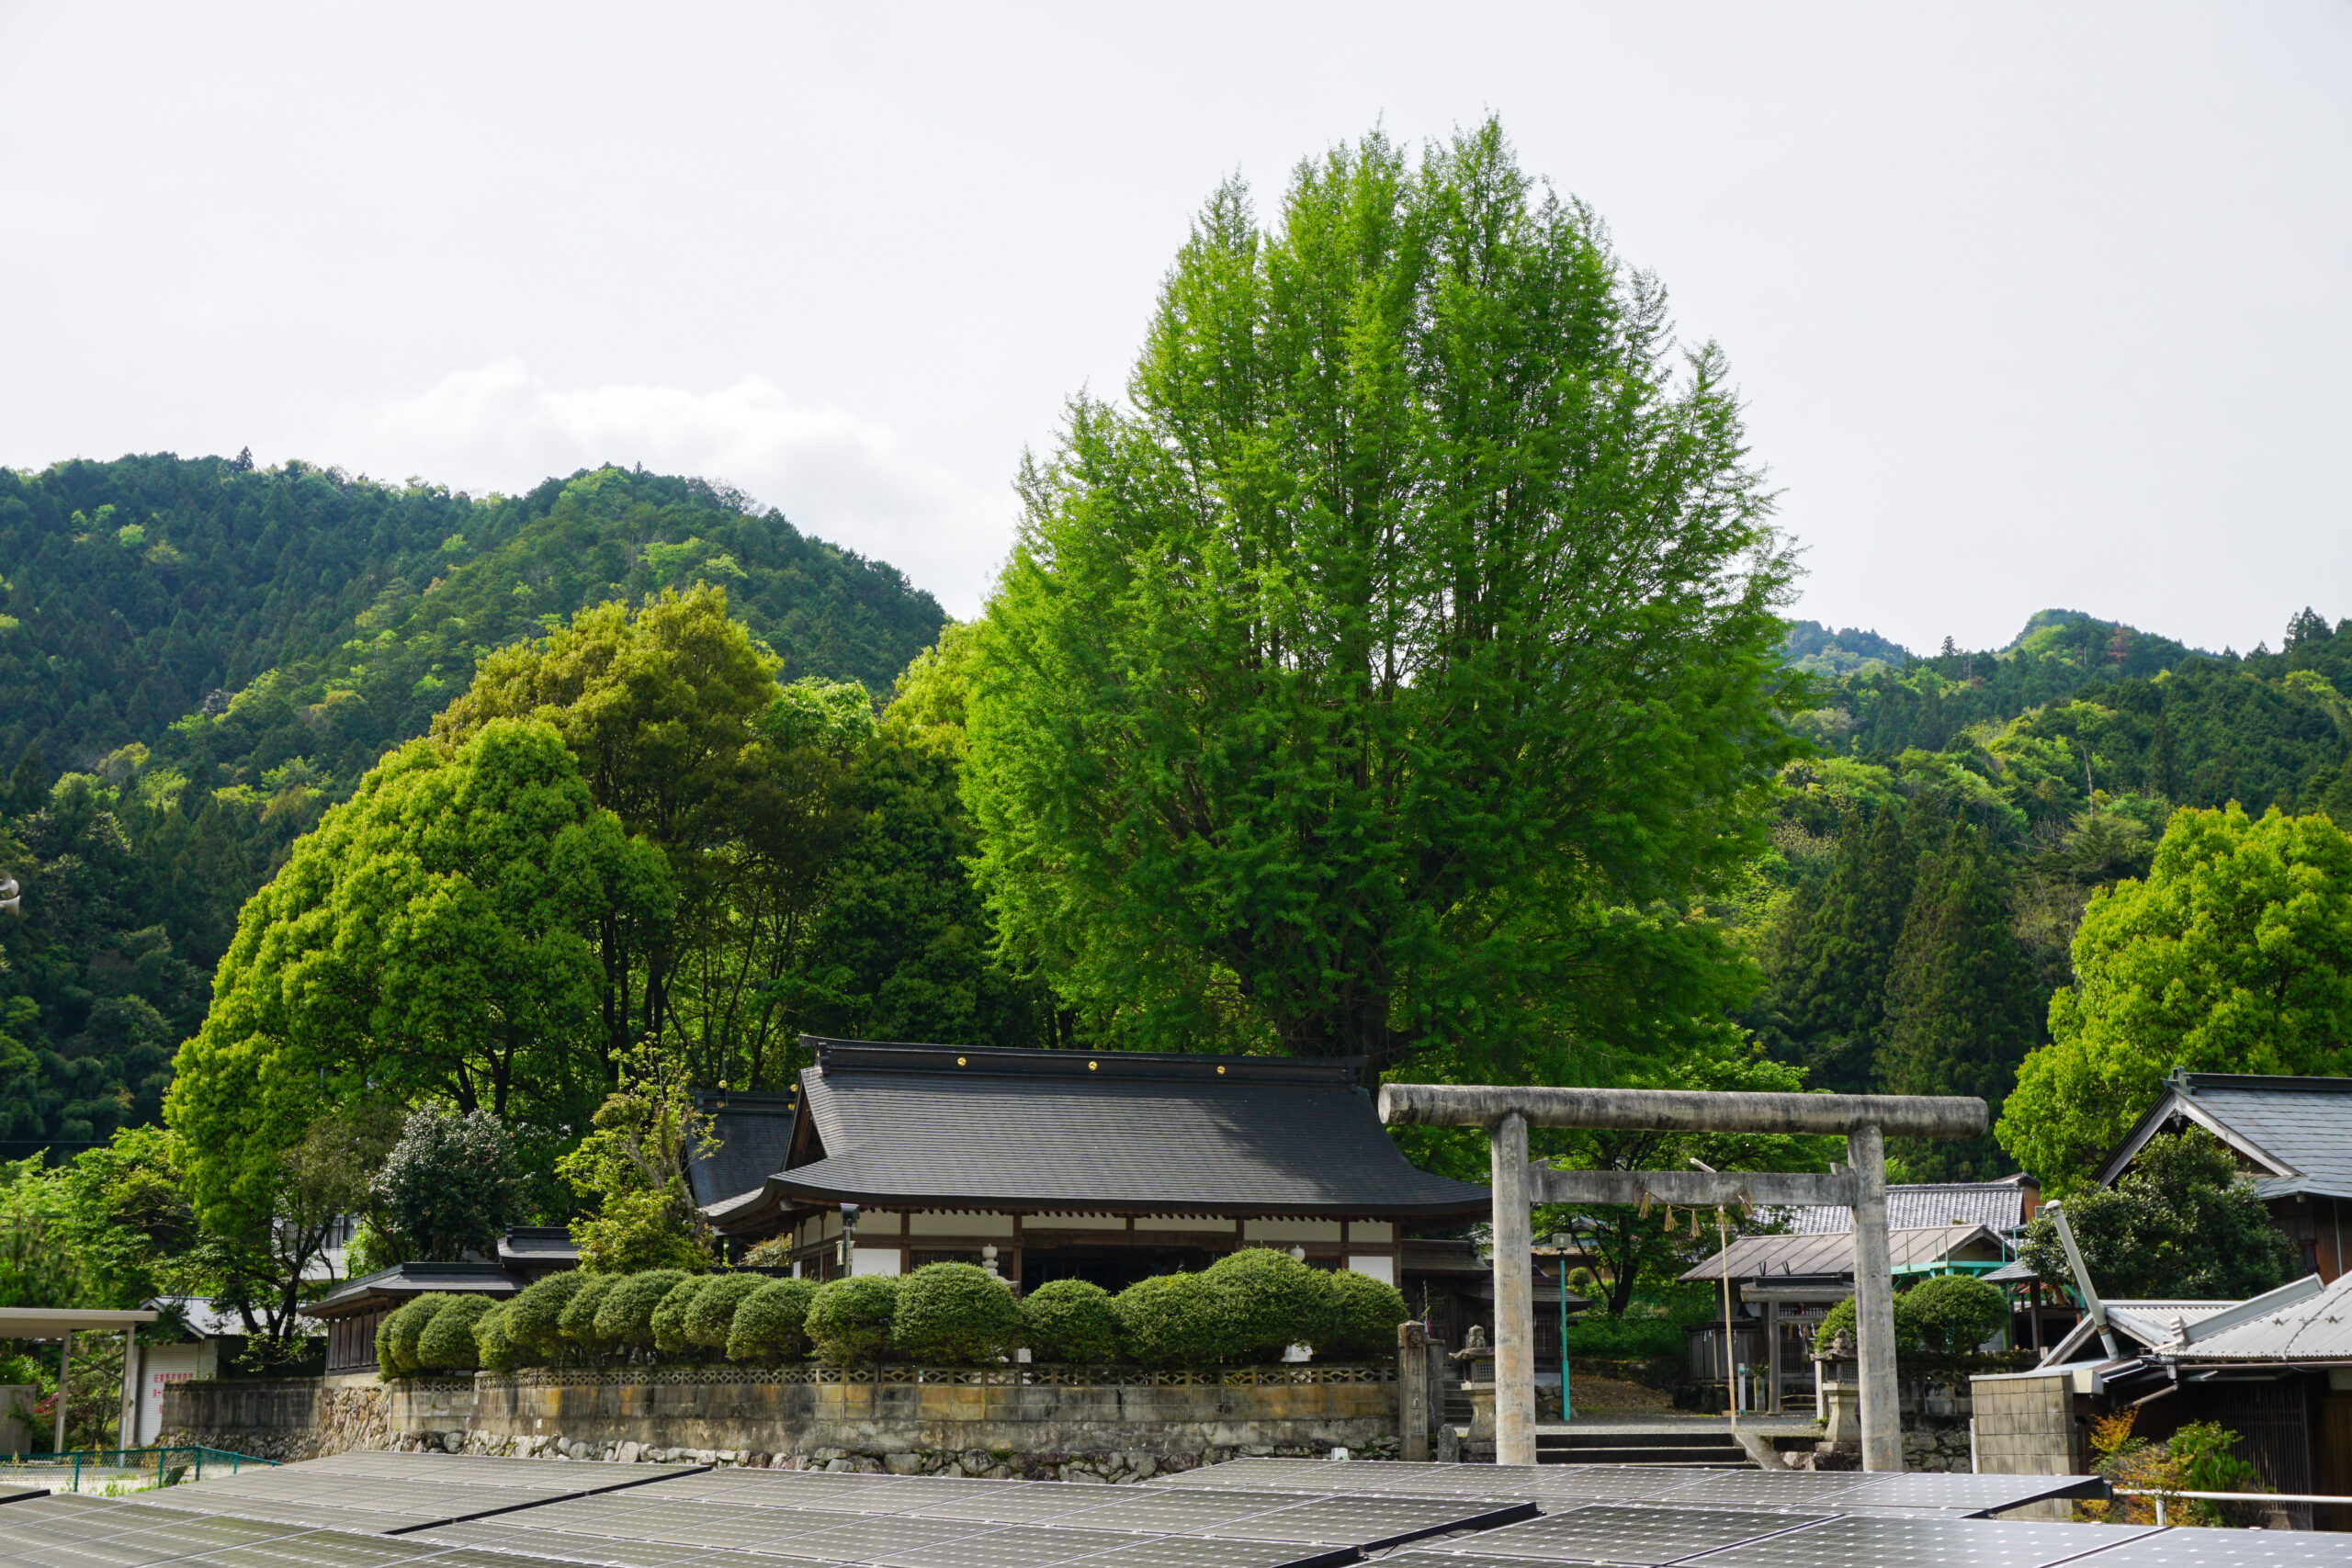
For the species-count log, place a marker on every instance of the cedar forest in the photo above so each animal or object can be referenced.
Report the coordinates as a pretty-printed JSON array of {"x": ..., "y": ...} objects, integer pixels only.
[{"x": 772, "y": 789}]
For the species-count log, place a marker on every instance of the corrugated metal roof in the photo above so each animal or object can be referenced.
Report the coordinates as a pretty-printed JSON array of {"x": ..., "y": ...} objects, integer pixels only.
[
  {"x": 2315, "y": 1328},
  {"x": 2150, "y": 1322},
  {"x": 1819, "y": 1256},
  {"x": 1998, "y": 1205},
  {"x": 942, "y": 1126}
]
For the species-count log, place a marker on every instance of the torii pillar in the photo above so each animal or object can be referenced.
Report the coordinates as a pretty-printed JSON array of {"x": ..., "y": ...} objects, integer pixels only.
[{"x": 1866, "y": 1121}]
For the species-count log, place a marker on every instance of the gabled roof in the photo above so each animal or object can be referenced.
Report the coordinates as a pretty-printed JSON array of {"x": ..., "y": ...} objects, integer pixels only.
[
  {"x": 2152, "y": 1321},
  {"x": 2298, "y": 1324},
  {"x": 754, "y": 1133},
  {"x": 2295, "y": 1132},
  {"x": 1830, "y": 1255},
  {"x": 1996, "y": 1205},
  {"x": 1071, "y": 1132}
]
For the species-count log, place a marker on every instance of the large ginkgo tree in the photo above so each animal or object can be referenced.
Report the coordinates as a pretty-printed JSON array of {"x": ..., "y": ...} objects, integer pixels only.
[{"x": 1394, "y": 670}]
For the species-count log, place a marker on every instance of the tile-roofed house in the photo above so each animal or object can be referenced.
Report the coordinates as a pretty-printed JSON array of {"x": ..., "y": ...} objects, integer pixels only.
[
  {"x": 1095, "y": 1163},
  {"x": 2292, "y": 1135},
  {"x": 1999, "y": 1206}
]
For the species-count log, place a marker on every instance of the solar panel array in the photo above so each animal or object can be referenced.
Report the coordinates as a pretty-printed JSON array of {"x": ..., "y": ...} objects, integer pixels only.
[{"x": 381, "y": 1510}]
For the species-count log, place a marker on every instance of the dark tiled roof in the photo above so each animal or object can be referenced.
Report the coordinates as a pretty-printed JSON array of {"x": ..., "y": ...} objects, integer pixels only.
[
  {"x": 538, "y": 1245},
  {"x": 2296, "y": 1132},
  {"x": 939, "y": 1126},
  {"x": 402, "y": 1281},
  {"x": 754, "y": 1131}
]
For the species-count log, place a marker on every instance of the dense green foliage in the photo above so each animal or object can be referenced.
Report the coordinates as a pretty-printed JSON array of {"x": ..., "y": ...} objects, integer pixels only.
[
  {"x": 452, "y": 1184},
  {"x": 1070, "y": 1320},
  {"x": 2234, "y": 955},
  {"x": 772, "y": 1324},
  {"x": 1918, "y": 913},
  {"x": 668, "y": 1322},
  {"x": 212, "y": 654},
  {"x": 1947, "y": 1316},
  {"x": 625, "y": 1316},
  {"x": 403, "y": 1331},
  {"x": 447, "y": 1343},
  {"x": 1387, "y": 675},
  {"x": 2180, "y": 1224},
  {"x": 711, "y": 1318},
  {"x": 1264, "y": 1302},
  {"x": 954, "y": 1315},
  {"x": 1358, "y": 1316},
  {"x": 849, "y": 1320},
  {"x": 534, "y": 1318}
]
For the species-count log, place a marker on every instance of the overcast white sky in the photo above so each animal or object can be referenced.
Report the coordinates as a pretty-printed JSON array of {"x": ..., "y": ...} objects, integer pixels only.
[{"x": 2033, "y": 304}]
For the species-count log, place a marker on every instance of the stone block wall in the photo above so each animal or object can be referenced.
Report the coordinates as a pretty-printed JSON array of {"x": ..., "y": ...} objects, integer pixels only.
[
  {"x": 1097, "y": 1424},
  {"x": 2025, "y": 1425}
]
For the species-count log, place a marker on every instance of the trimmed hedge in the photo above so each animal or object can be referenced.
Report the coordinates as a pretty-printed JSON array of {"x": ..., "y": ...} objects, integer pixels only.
[
  {"x": 1264, "y": 1301},
  {"x": 535, "y": 1317},
  {"x": 399, "y": 1338},
  {"x": 577, "y": 1321},
  {"x": 712, "y": 1316},
  {"x": 849, "y": 1320},
  {"x": 1071, "y": 1320},
  {"x": 492, "y": 1349},
  {"x": 1360, "y": 1316},
  {"x": 954, "y": 1315},
  {"x": 772, "y": 1323},
  {"x": 447, "y": 1343},
  {"x": 1171, "y": 1320},
  {"x": 669, "y": 1319},
  {"x": 624, "y": 1317},
  {"x": 1247, "y": 1307}
]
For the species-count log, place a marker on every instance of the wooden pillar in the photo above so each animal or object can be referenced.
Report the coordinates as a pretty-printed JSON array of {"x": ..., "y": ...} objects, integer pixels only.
[
  {"x": 1514, "y": 1224},
  {"x": 1874, "y": 1303}
]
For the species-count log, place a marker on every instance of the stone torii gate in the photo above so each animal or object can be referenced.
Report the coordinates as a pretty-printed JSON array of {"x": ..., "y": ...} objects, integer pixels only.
[{"x": 1865, "y": 1121}]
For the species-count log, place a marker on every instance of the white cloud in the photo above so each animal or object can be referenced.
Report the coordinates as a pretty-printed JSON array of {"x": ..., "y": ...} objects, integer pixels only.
[{"x": 843, "y": 478}]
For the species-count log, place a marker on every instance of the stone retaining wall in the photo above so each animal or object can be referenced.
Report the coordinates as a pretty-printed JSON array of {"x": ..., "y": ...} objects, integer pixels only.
[{"x": 1094, "y": 1423}]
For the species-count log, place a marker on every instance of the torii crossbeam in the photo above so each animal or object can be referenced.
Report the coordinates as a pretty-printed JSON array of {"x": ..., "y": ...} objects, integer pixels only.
[{"x": 1865, "y": 1121}]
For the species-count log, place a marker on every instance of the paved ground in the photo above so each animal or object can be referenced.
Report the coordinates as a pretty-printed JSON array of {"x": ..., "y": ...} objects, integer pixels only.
[{"x": 1681, "y": 1421}]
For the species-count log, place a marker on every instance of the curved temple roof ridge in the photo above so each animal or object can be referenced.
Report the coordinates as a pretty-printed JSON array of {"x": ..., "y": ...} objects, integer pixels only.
[{"x": 911, "y": 1125}]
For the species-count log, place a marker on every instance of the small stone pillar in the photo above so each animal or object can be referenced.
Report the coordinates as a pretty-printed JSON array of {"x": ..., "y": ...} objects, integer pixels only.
[{"x": 1841, "y": 1410}]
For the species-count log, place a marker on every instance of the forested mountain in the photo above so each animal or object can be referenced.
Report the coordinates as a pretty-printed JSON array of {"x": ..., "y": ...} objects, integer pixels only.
[
  {"x": 1931, "y": 869},
  {"x": 198, "y": 657}
]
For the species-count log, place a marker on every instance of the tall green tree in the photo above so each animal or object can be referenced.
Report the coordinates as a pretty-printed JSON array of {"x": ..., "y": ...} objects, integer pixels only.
[
  {"x": 679, "y": 729},
  {"x": 1836, "y": 943},
  {"x": 1960, "y": 1000},
  {"x": 1416, "y": 612},
  {"x": 2182, "y": 1223},
  {"x": 434, "y": 939},
  {"x": 2233, "y": 955}
]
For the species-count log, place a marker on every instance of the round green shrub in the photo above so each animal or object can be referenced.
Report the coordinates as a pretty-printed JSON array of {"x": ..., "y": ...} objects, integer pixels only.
[
  {"x": 625, "y": 1316},
  {"x": 1171, "y": 1320},
  {"x": 577, "y": 1322},
  {"x": 388, "y": 1365},
  {"x": 954, "y": 1315},
  {"x": 1952, "y": 1315},
  {"x": 668, "y": 1318},
  {"x": 447, "y": 1343},
  {"x": 772, "y": 1323},
  {"x": 1071, "y": 1320},
  {"x": 534, "y": 1318},
  {"x": 408, "y": 1326},
  {"x": 492, "y": 1350},
  {"x": 849, "y": 1320},
  {"x": 1360, "y": 1316},
  {"x": 712, "y": 1318},
  {"x": 1265, "y": 1302}
]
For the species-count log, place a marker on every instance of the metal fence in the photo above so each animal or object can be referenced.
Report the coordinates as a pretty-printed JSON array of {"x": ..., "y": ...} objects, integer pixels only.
[{"x": 145, "y": 1467}]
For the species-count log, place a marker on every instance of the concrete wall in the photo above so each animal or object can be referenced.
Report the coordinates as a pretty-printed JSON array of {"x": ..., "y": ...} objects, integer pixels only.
[
  {"x": 2025, "y": 1425},
  {"x": 1011, "y": 1420}
]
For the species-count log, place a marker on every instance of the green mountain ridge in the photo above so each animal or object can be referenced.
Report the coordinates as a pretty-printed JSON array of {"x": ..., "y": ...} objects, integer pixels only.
[{"x": 198, "y": 657}]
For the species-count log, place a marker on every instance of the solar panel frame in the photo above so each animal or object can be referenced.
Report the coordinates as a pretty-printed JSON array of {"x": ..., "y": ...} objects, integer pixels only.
[
  {"x": 1588, "y": 1533},
  {"x": 2200, "y": 1548},
  {"x": 1852, "y": 1540},
  {"x": 1328, "y": 1520}
]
